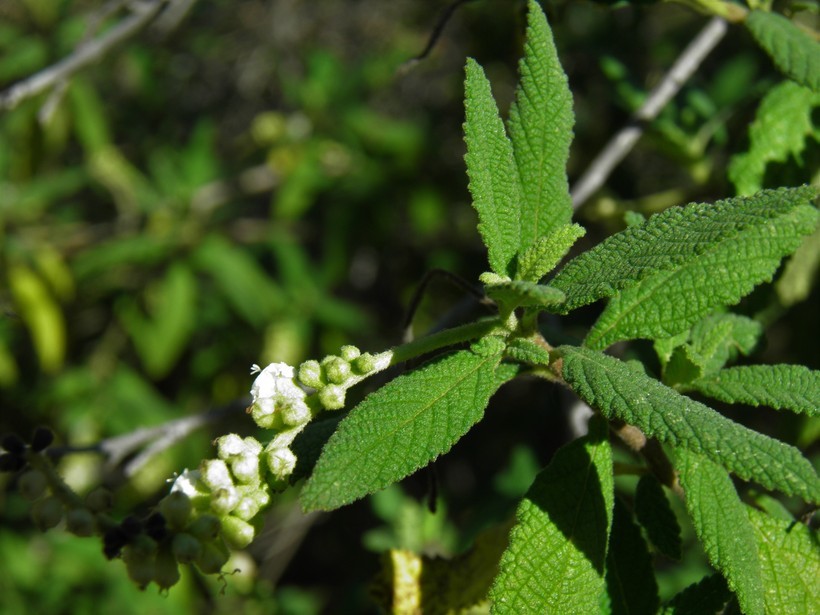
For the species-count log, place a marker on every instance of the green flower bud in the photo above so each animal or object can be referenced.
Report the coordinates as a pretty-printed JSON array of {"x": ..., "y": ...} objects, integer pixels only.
[
  {"x": 364, "y": 364},
  {"x": 229, "y": 446},
  {"x": 295, "y": 414},
  {"x": 245, "y": 468},
  {"x": 80, "y": 522},
  {"x": 214, "y": 555},
  {"x": 140, "y": 561},
  {"x": 247, "y": 509},
  {"x": 337, "y": 369},
  {"x": 47, "y": 513},
  {"x": 176, "y": 507},
  {"x": 32, "y": 485},
  {"x": 205, "y": 527},
  {"x": 166, "y": 569},
  {"x": 348, "y": 353},
  {"x": 223, "y": 501},
  {"x": 310, "y": 374},
  {"x": 186, "y": 548},
  {"x": 238, "y": 533},
  {"x": 332, "y": 397},
  {"x": 215, "y": 474},
  {"x": 281, "y": 463},
  {"x": 99, "y": 500}
]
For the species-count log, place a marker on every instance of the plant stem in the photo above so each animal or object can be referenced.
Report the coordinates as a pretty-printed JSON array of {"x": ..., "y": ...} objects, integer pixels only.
[{"x": 442, "y": 339}]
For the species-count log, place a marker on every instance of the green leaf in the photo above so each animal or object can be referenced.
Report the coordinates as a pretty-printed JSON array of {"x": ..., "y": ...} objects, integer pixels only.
[
  {"x": 790, "y": 563},
  {"x": 540, "y": 126},
  {"x": 527, "y": 351},
  {"x": 709, "y": 595},
  {"x": 620, "y": 392},
  {"x": 796, "y": 281},
  {"x": 783, "y": 387},
  {"x": 491, "y": 169},
  {"x": 543, "y": 255},
  {"x": 670, "y": 301},
  {"x": 630, "y": 579},
  {"x": 655, "y": 515},
  {"x": 794, "y": 52},
  {"x": 527, "y": 294},
  {"x": 404, "y": 425},
  {"x": 780, "y": 130},
  {"x": 722, "y": 526},
  {"x": 670, "y": 240},
  {"x": 555, "y": 561}
]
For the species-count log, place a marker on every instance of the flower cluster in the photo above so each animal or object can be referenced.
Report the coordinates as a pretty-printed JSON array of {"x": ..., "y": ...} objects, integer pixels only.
[{"x": 336, "y": 373}]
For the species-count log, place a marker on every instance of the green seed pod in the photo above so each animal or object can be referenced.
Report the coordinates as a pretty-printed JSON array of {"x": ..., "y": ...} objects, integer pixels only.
[
  {"x": 332, "y": 397},
  {"x": 99, "y": 500},
  {"x": 176, "y": 507},
  {"x": 348, "y": 353},
  {"x": 337, "y": 369},
  {"x": 238, "y": 533},
  {"x": 205, "y": 527},
  {"x": 166, "y": 569},
  {"x": 32, "y": 485},
  {"x": 310, "y": 374},
  {"x": 81, "y": 522},
  {"x": 47, "y": 513},
  {"x": 214, "y": 555},
  {"x": 364, "y": 364},
  {"x": 186, "y": 548}
]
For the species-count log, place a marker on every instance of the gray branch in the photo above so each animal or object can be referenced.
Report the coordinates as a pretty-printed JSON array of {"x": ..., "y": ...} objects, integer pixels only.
[
  {"x": 88, "y": 53},
  {"x": 621, "y": 144}
]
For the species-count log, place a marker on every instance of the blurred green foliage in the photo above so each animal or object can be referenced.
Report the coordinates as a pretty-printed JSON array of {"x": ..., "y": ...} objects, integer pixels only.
[{"x": 266, "y": 181}]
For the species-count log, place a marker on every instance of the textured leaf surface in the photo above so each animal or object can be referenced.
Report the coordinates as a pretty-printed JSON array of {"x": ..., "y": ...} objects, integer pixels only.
[
  {"x": 783, "y": 387},
  {"x": 630, "y": 580},
  {"x": 543, "y": 255},
  {"x": 669, "y": 240},
  {"x": 540, "y": 126},
  {"x": 527, "y": 351},
  {"x": 790, "y": 564},
  {"x": 493, "y": 178},
  {"x": 709, "y": 595},
  {"x": 620, "y": 392},
  {"x": 555, "y": 561},
  {"x": 722, "y": 526},
  {"x": 528, "y": 294},
  {"x": 793, "y": 51},
  {"x": 403, "y": 426},
  {"x": 655, "y": 515},
  {"x": 780, "y": 129},
  {"x": 669, "y": 302}
]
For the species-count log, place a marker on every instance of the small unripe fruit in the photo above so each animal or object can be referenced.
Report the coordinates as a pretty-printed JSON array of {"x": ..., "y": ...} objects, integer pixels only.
[
  {"x": 41, "y": 439},
  {"x": 310, "y": 374},
  {"x": 47, "y": 513},
  {"x": 32, "y": 485},
  {"x": 186, "y": 548},
  {"x": 238, "y": 533},
  {"x": 140, "y": 562},
  {"x": 176, "y": 507},
  {"x": 332, "y": 397},
  {"x": 156, "y": 526},
  {"x": 336, "y": 369},
  {"x": 214, "y": 556},
  {"x": 80, "y": 522}
]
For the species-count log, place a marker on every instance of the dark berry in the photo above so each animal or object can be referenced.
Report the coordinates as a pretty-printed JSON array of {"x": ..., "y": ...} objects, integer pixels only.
[
  {"x": 13, "y": 444},
  {"x": 41, "y": 439}
]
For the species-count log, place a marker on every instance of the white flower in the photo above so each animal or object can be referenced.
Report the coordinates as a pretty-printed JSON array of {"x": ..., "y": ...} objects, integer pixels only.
[
  {"x": 275, "y": 389},
  {"x": 189, "y": 483}
]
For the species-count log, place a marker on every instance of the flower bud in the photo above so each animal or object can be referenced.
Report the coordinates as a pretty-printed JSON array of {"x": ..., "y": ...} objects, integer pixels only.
[
  {"x": 364, "y": 364},
  {"x": 332, "y": 397},
  {"x": 214, "y": 555},
  {"x": 247, "y": 508},
  {"x": 348, "y": 353},
  {"x": 99, "y": 500},
  {"x": 337, "y": 369},
  {"x": 310, "y": 374},
  {"x": 156, "y": 526},
  {"x": 140, "y": 561},
  {"x": 229, "y": 446},
  {"x": 32, "y": 485},
  {"x": 238, "y": 533},
  {"x": 295, "y": 414},
  {"x": 186, "y": 548},
  {"x": 190, "y": 483},
  {"x": 47, "y": 513},
  {"x": 245, "y": 468},
  {"x": 281, "y": 463},
  {"x": 80, "y": 522},
  {"x": 176, "y": 507},
  {"x": 274, "y": 388},
  {"x": 223, "y": 501},
  {"x": 215, "y": 474},
  {"x": 166, "y": 569},
  {"x": 205, "y": 527}
]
